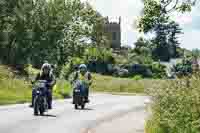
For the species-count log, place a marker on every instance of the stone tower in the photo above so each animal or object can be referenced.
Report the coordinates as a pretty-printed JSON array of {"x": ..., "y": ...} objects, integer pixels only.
[{"x": 114, "y": 31}]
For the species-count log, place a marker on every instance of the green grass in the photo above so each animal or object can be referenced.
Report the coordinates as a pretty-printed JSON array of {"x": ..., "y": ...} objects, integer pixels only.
[
  {"x": 120, "y": 85},
  {"x": 175, "y": 107},
  {"x": 62, "y": 89},
  {"x": 13, "y": 90},
  {"x": 18, "y": 90}
]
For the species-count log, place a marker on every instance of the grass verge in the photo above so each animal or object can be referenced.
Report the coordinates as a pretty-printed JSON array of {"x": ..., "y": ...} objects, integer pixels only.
[
  {"x": 17, "y": 90},
  {"x": 120, "y": 85},
  {"x": 175, "y": 107}
]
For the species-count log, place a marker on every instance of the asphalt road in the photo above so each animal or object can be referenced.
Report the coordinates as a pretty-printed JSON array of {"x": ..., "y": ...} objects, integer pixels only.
[{"x": 64, "y": 119}]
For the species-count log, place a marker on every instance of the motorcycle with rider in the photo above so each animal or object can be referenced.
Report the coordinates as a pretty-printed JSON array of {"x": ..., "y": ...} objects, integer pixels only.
[
  {"x": 42, "y": 90},
  {"x": 81, "y": 83}
]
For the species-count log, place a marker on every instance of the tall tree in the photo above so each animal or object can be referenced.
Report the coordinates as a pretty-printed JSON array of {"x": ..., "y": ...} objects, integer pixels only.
[{"x": 156, "y": 19}]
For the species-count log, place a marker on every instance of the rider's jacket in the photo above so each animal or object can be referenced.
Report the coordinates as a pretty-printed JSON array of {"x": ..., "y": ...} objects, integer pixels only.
[
  {"x": 87, "y": 78},
  {"x": 49, "y": 78}
]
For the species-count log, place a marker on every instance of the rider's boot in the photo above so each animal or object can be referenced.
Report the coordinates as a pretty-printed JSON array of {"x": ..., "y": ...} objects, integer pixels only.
[
  {"x": 49, "y": 99},
  {"x": 33, "y": 95},
  {"x": 87, "y": 100}
]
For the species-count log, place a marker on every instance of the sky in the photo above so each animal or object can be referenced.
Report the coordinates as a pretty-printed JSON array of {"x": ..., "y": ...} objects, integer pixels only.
[{"x": 129, "y": 10}]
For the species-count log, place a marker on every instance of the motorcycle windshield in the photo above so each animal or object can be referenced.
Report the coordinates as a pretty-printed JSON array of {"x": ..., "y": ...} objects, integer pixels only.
[{"x": 40, "y": 85}]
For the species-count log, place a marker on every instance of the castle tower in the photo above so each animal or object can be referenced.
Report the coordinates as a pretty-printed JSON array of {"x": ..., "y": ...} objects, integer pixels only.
[{"x": 114, "y": 31}]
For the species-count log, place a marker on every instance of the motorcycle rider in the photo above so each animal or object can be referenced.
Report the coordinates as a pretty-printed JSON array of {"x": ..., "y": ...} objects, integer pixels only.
[
  {"x": 84, "y": 75},
  {"x": 45, "y": 74}
]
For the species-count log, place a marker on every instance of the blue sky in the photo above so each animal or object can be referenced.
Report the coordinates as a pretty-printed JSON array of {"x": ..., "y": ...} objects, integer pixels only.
[{"x": 129, "y": 10}]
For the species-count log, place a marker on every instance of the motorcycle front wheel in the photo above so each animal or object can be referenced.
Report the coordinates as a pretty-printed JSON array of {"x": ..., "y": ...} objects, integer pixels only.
[{"x": 35, "y": 107}]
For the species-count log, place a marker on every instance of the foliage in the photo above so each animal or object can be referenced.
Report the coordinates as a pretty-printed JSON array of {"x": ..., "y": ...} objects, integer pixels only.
[
  {"x": 143, "y": 47},
  {"x": 158, "y": 70},
  {"x": 156, "y": 19},
  {"x": 184, "y": 68},
  {"x": 54, "y": 30},
  {"x": 13, "y": 90},
  {"x": 121, "y": 59},
  {"x": 30, "y": 71},
  {"x": 69, "y": 67},
  {"x": 196, "y": 53},
  {"x": 62, "y": 89},
  {"x": 98, "y": 59},
  {"x": 175, "y": 106},
  {"x": 137, "y": 77},
  {"x": 140, "y": 59},
  {"x": 99, "y": 55}
]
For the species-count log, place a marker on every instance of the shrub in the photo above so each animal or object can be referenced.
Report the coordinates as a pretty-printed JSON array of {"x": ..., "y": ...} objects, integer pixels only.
[
  {"x": 31, "y": 72},
  {"x": 158, "y": 70},
  {"x": 69, "y": 67},
  {"x": 183, "y": 69},
  {"x": 176, "y": 106},
  {"x": 62, "y": 89},
  {"x": 98, "y": 59},
  {"x": 137, "y": 77},
  {"x": 139, "y": 69}
]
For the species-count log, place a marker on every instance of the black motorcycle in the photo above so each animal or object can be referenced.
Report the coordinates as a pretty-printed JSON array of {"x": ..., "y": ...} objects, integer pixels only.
[
  {"x": 79, "y": 98},
  {"x": 40, "y": 104}
]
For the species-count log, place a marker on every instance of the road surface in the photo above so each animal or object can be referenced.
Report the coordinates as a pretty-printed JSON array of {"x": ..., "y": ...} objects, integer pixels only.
[{"x": 64, "y": 119}]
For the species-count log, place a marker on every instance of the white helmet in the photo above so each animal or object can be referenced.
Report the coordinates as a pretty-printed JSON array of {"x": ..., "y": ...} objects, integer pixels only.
[
  {"x": 46, "y": 66},
  {"x": 83, "y": 66}
]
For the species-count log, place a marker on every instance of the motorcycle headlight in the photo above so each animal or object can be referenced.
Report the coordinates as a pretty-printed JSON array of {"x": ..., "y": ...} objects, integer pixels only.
[{"x": 77, "y": 90}]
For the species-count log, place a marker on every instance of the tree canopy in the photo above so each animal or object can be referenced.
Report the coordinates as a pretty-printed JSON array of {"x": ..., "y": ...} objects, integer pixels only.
[
  {"x": 156, "y": 19},
  {"x": 55, "y": 30}
]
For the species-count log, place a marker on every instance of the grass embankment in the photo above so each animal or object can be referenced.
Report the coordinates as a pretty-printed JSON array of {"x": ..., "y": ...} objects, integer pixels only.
[
  {"x": 120, "y": 85},
  {"x": 18, "y": 90},
  {"x": 175, "y": 107},
  {"x": 15, "y": 89}
]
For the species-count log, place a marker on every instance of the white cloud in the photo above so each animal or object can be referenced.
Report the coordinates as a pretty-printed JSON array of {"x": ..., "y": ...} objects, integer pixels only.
[
  {"x": 127, "y": 9},
  {"x": 190, "y": 22},
  {"x": 190, "y": 39},
  {"x": 130, "y": 9}
]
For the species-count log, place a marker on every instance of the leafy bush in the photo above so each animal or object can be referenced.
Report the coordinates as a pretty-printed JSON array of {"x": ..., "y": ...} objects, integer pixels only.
[
  {"x": 175, "y": 107},
  {"x": 98, "y": 59},
  {"x": 137, "y": 77},
  {"x": 139, "y": 69},
  {"x": 31, "y": 72},
  {"x": 99, "y": 55},
  {"x": 62, "y": 89},
  {"x": 183, "y": 69},
  {"x": 158, "y": 70},
  {"x": 69, "y": 67}
]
